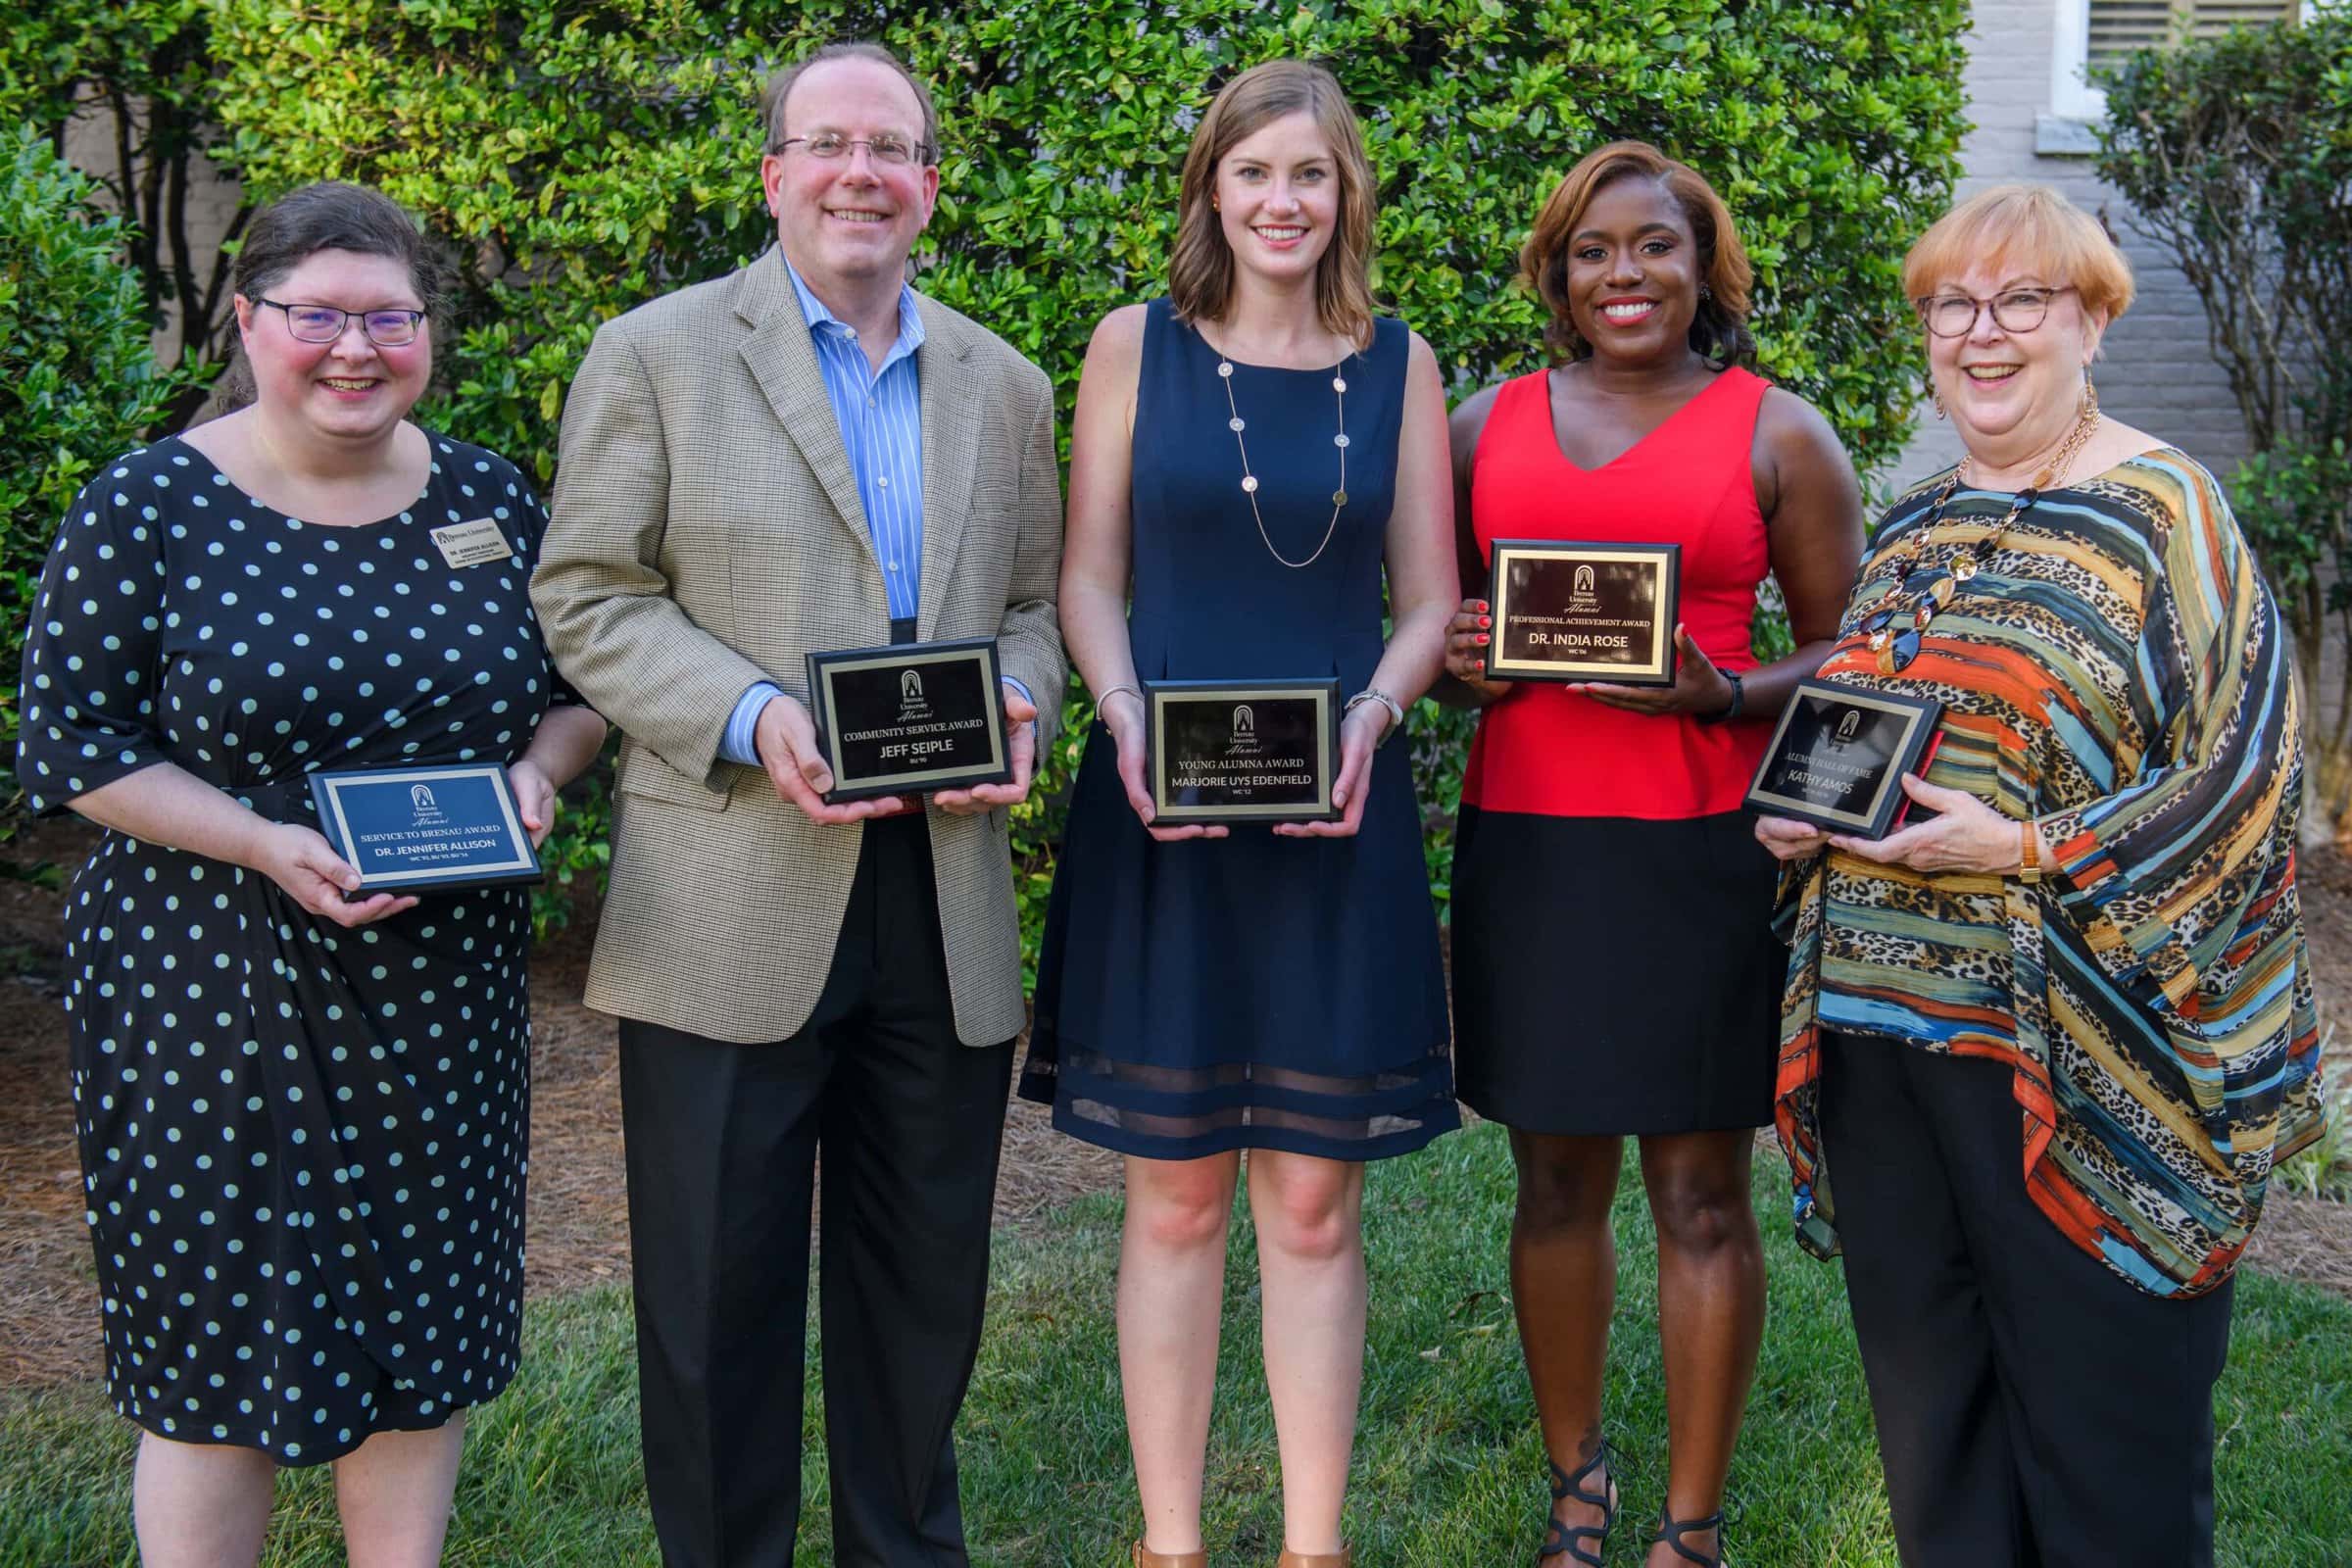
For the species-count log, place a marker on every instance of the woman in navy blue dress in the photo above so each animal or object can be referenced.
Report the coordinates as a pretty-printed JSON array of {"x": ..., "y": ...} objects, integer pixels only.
[{"x": 1203, "y": 990}]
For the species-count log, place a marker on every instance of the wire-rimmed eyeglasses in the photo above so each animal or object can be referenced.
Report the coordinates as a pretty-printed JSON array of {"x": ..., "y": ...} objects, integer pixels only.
[
  {"x": 2014, "y": 310},
  {"x": 324, "y": 323},
  {"x": 888, "y": 148}
]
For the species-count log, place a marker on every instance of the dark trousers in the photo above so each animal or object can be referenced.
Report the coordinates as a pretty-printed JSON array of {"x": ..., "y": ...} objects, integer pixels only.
[
  {"x": 2033, "y": 1409},
  {"x": 722, "y": 1141}
]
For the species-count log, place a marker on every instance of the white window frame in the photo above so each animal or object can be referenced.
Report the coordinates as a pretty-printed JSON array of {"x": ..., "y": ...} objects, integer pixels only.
[
  {"x": 2072, "y": 96},
  {"x": 2075, "y": 104}
]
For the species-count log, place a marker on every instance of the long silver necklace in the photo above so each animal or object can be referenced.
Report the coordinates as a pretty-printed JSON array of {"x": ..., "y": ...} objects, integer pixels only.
[{"x": 1339, "y": 498}]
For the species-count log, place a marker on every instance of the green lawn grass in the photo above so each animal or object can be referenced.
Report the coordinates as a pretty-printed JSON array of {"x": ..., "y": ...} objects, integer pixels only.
[{"x": 1448, "y": 1469}]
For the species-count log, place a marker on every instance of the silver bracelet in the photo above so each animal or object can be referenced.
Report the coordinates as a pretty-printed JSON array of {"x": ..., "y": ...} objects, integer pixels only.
[
  {"x": 1122, "y": 686},
  {"x": 1372, "y": 693}
]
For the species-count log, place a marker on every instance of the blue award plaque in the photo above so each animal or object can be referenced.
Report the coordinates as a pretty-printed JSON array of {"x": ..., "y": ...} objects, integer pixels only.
[{"x": 426, "y": 830}]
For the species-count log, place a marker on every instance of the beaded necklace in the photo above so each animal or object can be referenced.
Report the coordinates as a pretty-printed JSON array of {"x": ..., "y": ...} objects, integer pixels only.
[{"x": 1935, "y": 587}]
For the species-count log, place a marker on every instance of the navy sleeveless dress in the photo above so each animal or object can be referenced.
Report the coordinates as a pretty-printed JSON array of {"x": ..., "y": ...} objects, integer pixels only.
[{"x": 1254, "y": 991}]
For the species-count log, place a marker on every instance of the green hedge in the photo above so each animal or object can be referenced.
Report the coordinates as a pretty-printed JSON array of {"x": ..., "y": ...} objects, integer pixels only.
[
  {"x": 591, "y": 154},
  {"x": 77, "y": 382}
]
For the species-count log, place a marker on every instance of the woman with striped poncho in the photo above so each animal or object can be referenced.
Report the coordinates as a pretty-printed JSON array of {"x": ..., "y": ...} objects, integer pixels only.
[{"x": 2046, "y": 1042}]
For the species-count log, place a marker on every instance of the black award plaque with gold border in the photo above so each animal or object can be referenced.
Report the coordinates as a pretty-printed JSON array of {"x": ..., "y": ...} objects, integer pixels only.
[
  {"x": 1571, "y": 610},
  {"x": 1241, "y": 751},
  {"x": 1838, "y": 754},
  {"x": 908, "y": 718}
]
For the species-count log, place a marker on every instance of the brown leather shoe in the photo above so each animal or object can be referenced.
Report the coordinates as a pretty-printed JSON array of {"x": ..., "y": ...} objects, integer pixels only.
[
  {"x": 1145, "y": 1558},
  {"x": 1345, "y": 1557}
]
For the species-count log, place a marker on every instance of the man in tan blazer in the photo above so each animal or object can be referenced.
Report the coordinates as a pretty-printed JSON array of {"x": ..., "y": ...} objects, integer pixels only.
[{"x": 806, "y": 454}]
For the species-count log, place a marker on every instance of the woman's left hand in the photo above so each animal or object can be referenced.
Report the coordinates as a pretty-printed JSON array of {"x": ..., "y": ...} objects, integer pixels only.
[
  {"x": 1698, "y": 686},
  {"x": 1964, "y": 835},
  {"x": 534, "y": 797},
  {"x": 1359, "y": 732}
]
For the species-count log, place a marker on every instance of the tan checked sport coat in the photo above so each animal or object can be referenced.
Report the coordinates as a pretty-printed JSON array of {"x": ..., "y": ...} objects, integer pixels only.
[{"x": 706, "y": 534}]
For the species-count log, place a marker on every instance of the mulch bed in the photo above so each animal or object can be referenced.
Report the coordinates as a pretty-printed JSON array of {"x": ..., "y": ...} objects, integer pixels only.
[{"x": 578, "y": 1215}]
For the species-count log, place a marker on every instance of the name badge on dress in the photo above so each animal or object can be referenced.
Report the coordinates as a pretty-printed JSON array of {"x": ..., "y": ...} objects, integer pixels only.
[{"x": 472, "y": 544}]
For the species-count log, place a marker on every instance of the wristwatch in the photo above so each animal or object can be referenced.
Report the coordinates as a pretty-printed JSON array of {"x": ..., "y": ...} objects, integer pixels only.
[{"x": 1739, "y": 701}]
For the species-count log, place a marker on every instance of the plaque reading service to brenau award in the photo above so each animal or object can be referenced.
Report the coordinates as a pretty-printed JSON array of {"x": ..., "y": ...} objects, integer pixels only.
[
  {"x": 426, "y": 829},
  {"x": 1241, "y": 751},
  {"x": 910, "y": 718},
  {"x": 1838, "y": 757},
  {"x": 1566, "y": 611}
]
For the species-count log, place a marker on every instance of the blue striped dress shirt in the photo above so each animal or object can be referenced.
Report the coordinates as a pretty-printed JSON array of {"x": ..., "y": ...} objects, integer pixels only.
[{"x": 881, "y": 417}]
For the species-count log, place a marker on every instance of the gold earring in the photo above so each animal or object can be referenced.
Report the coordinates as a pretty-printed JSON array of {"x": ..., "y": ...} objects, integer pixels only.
[
  {"x": 2091, "y": 395},
  {"x": 1936, "y": 398}
]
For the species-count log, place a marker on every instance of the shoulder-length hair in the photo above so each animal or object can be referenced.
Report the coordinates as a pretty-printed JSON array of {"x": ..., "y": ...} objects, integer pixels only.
[
  {"x": 1719, "y": 331},
  {"x": 1200, "y": 263}
]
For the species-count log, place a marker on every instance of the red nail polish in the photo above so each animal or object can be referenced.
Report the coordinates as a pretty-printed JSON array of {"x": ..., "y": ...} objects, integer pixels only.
[
  {"x": 1485, "y": 620},
  {"x": 1483, "y": 639}
]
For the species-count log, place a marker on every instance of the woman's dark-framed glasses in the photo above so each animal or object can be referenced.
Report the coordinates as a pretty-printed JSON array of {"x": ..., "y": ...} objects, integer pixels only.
[
  {"x": 324, "y": 323},
  {"x": 895, "y": 150},
  {"x": 2014, "y": 310}
]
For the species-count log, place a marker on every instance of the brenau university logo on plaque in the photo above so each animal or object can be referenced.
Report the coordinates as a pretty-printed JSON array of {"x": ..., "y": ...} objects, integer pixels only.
[
  {"x": 909, "y": 718},
  {"x": 1570, "y": 611},
  {"x": 1241, "y": 751}
]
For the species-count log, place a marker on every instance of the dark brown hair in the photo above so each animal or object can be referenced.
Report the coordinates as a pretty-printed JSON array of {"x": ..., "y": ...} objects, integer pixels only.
[
  {"x": 1719, "y": 330},
  {"x": 1201, "y": 263},
  {"x": 328, "y": 215},
  {"x": 779, "y": 88},
  {"x": 331, "y": 216}
]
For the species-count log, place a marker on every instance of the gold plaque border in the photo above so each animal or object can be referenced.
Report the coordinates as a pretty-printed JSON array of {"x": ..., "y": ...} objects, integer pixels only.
[
  {"x": 828, "y": 665},
  {"x": 1167, "y": 814},
  {"x": 1664, "y": 561}
]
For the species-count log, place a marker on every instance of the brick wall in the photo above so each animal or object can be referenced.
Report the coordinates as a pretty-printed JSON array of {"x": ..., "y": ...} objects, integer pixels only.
[{"x": 2156, "y": 373}]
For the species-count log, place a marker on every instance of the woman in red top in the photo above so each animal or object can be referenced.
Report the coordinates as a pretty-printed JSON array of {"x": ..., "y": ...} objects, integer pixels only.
[{"x": 1614, "y": 969}]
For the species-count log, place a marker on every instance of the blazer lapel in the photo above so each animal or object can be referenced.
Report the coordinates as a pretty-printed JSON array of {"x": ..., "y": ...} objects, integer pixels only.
[
  {"x": 783, "y": 361},
  {"x": 951, "y": 412}
]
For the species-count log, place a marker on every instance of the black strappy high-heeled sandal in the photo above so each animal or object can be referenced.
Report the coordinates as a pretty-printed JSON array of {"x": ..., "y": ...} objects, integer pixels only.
[
  {"x": 1671, "y": 1530},
  {"x": 1583, "y": 1542}
]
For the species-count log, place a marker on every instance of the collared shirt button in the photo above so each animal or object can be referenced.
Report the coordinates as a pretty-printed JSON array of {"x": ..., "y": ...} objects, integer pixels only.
[{"x": 883, "y": 480}]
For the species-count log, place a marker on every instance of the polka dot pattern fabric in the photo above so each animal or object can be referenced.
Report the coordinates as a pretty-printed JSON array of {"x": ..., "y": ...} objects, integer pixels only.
[{"x": 303, "y": 1148}]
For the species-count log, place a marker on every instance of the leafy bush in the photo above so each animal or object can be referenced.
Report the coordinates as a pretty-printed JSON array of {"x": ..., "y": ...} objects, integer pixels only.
[
  {"x": 147, "y": 65},
  {"x": 593, "y": 154},
  {"x": 2233, "y": 154},
  {"x": 77, "y": 381}
]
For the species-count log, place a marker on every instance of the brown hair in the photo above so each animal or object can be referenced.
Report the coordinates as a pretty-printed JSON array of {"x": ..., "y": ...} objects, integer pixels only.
[
  {"x": 1201, "y": 263},
  {"x": 327, "y": 216},
  {"x": 1719, "y": 330},
  {"x": 2032, "y": 227},
  {"x": 780, "y": 87}
]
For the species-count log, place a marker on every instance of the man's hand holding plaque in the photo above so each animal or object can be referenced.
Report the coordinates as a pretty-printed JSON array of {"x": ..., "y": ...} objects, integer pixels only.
[{"x": 885, "y": 724}]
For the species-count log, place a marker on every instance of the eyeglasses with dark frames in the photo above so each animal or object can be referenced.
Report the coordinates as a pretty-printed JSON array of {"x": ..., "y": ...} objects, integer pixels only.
[
  {"x": 324, "y": 323},
  {"x": 2014, "y": 310},
  {"x": 894, "y": 150}
]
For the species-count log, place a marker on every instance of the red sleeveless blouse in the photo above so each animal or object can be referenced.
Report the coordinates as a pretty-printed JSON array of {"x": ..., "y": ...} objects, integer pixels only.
[{"x": 1556, "y": 753}]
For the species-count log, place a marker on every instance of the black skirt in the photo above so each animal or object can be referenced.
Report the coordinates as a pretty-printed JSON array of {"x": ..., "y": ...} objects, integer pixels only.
[{"x": 1615, "y": 975}]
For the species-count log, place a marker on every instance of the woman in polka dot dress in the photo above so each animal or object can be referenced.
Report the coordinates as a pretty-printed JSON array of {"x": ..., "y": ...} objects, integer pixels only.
[{"x": 303, "y": 1121}]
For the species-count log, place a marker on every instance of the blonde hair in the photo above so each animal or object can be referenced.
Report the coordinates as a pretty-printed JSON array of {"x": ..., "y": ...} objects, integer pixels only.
[
  {"x": 1201, "y": 263},
  {"x": 2033, "y": 228},
  {"x": 1719, "y": 328}
]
